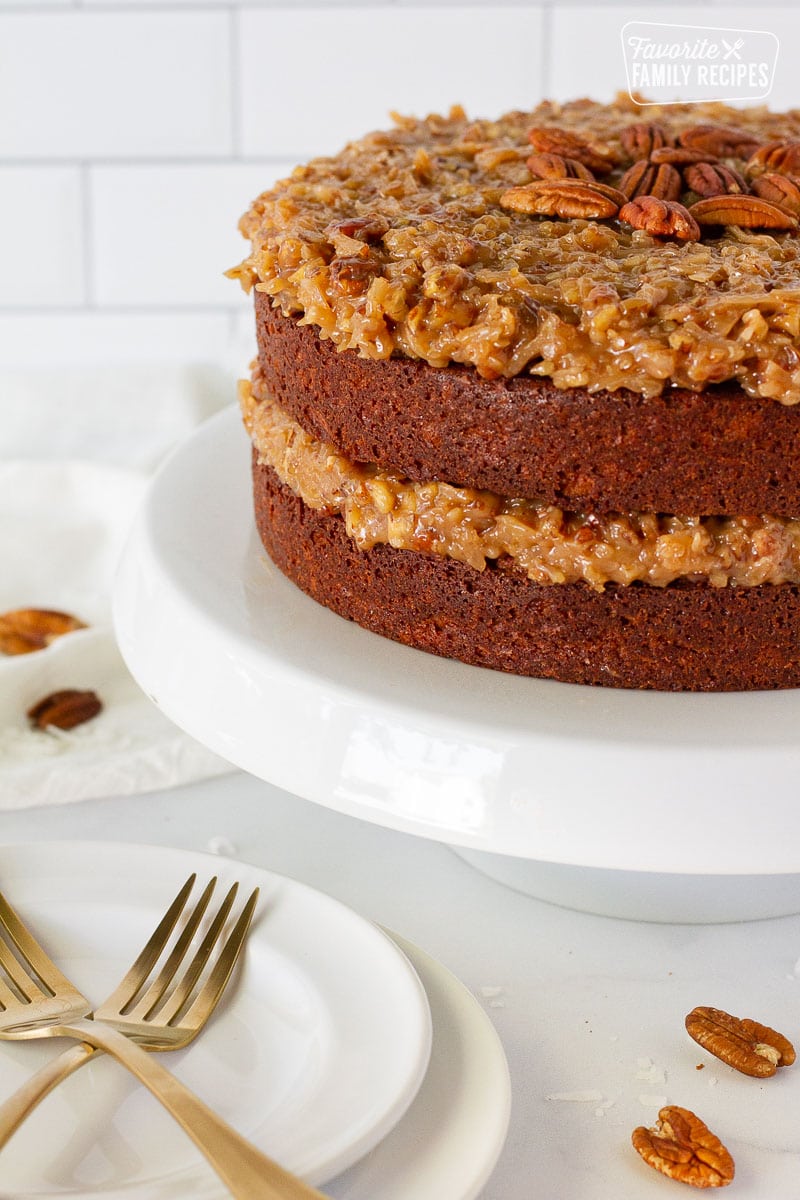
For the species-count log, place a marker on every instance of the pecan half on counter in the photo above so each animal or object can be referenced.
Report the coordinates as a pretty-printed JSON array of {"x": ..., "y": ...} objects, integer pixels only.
[
  {"x": 748, "y": 1046},
  {"x": 682, "y": 1147},
  {"x": 25, "y": 630},
  {"x": 65, "y": 709}
]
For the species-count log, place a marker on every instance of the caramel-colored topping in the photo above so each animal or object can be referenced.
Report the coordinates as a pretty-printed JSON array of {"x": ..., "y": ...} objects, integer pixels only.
[
  {"x": 440, "y": 271},
  {"x": 551, "y": 545}
]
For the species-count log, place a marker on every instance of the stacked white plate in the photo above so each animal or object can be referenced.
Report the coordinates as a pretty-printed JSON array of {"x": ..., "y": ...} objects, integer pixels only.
[{"x": 342, "y": 1051}]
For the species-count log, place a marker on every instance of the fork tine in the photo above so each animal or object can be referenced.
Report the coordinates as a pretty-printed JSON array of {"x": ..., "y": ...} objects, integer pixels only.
[
  {"x": 126, "y": 991},
  {"x": 21, "y": 979},
  {"x": 178, "y": 999},
  {"x": 7, "y": 997},
  {"x": 205, "y": 1002},
  {"x": 150, "y": 998},
  {"x": 31, "y": 951}
]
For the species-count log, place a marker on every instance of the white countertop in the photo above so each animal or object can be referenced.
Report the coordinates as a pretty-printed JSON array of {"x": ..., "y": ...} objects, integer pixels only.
[{"x": 583, "y": 1004}]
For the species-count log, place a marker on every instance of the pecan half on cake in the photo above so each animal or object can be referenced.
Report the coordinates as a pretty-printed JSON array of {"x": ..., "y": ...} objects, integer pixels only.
[{"x": 527, "y": 391}]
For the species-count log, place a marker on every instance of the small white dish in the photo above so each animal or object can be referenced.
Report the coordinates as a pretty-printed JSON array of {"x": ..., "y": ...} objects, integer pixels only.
[
  {"x": 450, "y": 1139},
  {"x": 642, "y": 782},
  {"x": 314, "y": 1054}
]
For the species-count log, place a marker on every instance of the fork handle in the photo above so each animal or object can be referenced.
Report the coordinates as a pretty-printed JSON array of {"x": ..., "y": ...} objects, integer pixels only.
[
  {"x": 18, "y": 1108},
  {"x": 247, "y": 1173}
]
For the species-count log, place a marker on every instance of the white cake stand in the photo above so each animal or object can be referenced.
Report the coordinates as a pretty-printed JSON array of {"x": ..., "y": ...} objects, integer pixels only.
[{"x": 643, "y": 804}]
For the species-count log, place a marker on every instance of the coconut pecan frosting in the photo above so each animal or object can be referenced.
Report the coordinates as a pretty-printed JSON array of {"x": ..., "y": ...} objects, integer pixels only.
[
  {"x": 586, "y": 243},
  {"x": 476, "y": 527}
]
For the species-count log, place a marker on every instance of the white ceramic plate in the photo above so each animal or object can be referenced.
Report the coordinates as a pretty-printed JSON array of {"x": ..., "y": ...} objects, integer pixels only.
[
  {"x": 314, "y": 1054},
  {"x": 451, "y": 1137},
  {"x": 247, "y": 664}
]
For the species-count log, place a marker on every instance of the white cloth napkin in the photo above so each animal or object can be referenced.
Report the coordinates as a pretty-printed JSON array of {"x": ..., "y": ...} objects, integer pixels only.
[
  {"x": 118, "y": 416},
  {"x": 64, "y": 517}
]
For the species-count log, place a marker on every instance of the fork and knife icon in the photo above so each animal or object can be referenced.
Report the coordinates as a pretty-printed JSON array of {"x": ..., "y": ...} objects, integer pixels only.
[
  {"x": 153, "y": 1008},
  {"x": 732, "y": 48}
]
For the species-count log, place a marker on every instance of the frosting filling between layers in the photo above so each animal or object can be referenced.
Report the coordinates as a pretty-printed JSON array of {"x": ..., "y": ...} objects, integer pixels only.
[{"x": 552, "y": 546}]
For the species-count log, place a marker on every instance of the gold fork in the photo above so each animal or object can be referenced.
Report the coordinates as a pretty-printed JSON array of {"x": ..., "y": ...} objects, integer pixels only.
[{"x": 147, "y": 1011}]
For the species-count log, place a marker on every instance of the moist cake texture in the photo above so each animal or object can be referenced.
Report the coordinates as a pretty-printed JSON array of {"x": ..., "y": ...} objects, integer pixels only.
[
  {"x": 686, "y": 636},
  {"x": 551, "y": 546},
  {"x": 704, "y": 453},
  {"x": 526, "y": 390}
]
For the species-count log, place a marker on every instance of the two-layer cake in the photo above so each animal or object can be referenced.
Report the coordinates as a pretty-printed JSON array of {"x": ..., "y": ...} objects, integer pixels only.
[{"x": 527, "y": 390}]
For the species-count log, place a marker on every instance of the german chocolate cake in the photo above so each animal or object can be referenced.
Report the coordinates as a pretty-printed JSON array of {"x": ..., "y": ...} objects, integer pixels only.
[{"x": 526, "y": 392}]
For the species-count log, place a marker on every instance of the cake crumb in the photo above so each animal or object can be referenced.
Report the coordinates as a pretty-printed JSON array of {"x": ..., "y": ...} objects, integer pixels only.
[
  {"x": 648, "y": 1100},
  {"x": 581, "y": 1097}
]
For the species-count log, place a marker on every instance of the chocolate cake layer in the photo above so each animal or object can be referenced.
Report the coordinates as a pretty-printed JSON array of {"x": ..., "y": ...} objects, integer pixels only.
[
  {"x": 686, "y": 636},
  {"x": 712, "y": 452}
]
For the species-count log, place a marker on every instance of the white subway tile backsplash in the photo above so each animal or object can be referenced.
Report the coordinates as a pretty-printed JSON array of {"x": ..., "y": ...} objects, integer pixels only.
[
  {"x": 313, "y": 79},
  {"x": 304, "y": 4},
  {"x": 165, "y": 235},
  {"x": 87, "y": 338},
  {"x": 586, "y": 49},
  {"x": 85, "y": 84},
  {"x": 131, "y": 133},
  {"x": 41, "y": 236},
  {"x": 234, "y": 3},
  {"x": 785, "y": 24}
]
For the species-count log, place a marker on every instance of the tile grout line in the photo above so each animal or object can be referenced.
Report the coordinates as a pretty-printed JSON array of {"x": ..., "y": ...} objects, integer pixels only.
[
  {"x": 235, "y": 84},
  {"x": 175, "y": 6},
  {"x": 155, "y": 309},
  {"x": 88, "y": 238},
  {"x": 547, "y": 38},
  {"x": 167, "y": 162}
]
